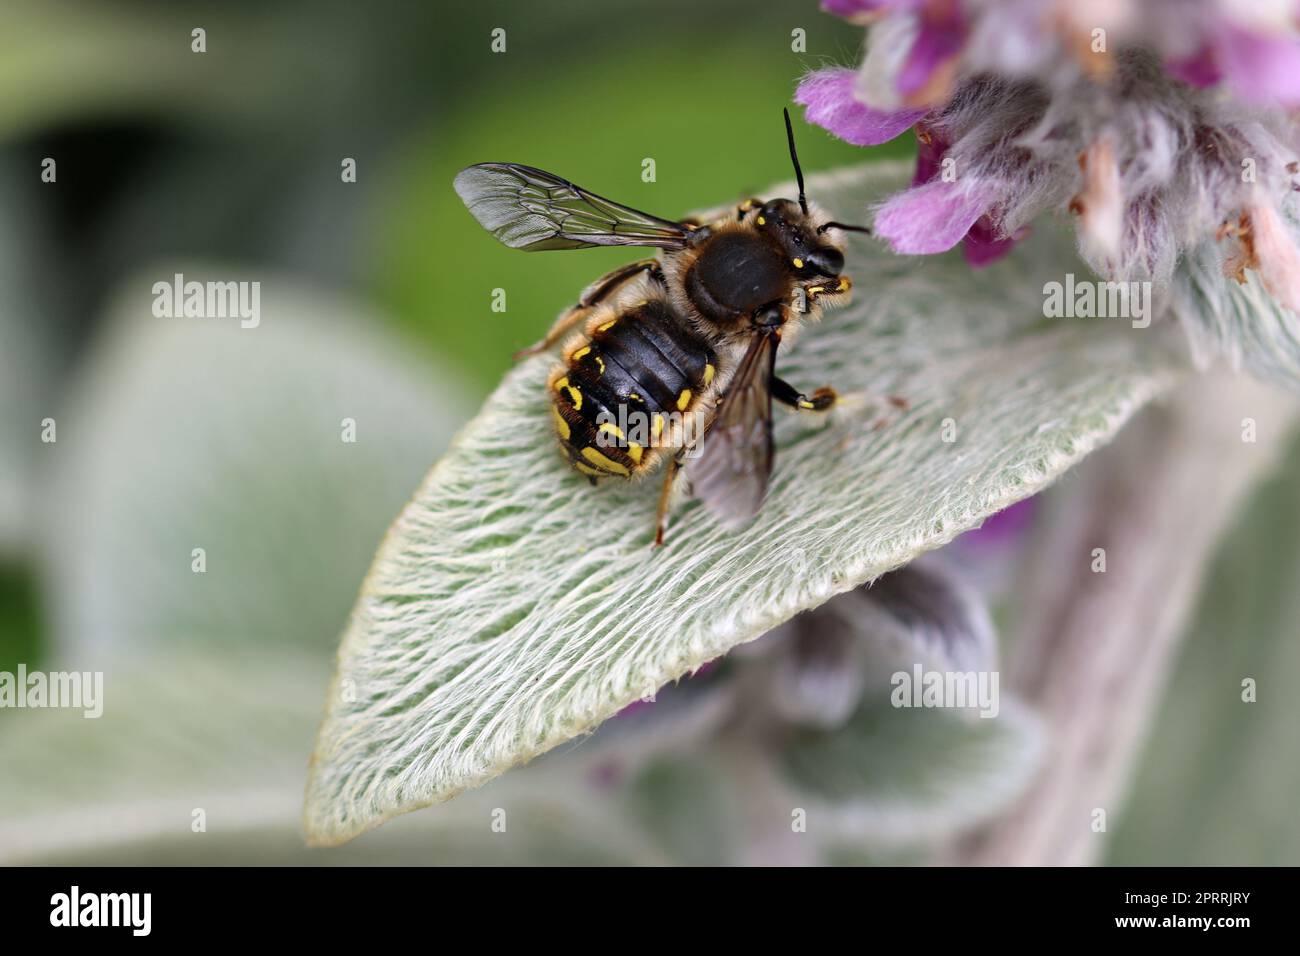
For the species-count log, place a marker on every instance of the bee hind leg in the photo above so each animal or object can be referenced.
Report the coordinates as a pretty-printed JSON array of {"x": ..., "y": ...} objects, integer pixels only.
[
  {"x": 592, "y": 296},
  {"x": 665, "y": 498},
  {"x": 820, "y": 400}
]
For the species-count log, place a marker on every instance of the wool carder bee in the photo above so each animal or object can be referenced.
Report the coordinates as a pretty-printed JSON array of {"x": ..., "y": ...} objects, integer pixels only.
[{"x": 674, "y": 357}]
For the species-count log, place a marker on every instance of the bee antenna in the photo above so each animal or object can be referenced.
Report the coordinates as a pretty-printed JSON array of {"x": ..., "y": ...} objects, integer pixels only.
[
  {"x": 841, "y": 226},
  {"x": 794, "y": 158}
]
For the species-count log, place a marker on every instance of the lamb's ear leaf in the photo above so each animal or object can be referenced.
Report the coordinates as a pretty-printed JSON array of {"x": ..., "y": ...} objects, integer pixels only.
[
  {"x": 894, "y": 776},
  {"x": 196, "y": 758},
  {"x": 683, "y": 804},
  {"x": 223, "y": 480},
  {"x": 512, "y": 606},
  {"x": 156, "y": 741},
  {"x": 33, "y": 343}
]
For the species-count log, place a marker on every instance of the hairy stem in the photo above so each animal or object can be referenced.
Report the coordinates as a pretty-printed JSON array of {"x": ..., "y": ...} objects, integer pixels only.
[{"x": 1094, "y": 648}]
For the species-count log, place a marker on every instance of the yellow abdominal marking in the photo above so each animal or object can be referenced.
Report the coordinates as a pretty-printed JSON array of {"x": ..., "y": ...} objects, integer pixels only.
[
  {"x": 633, "y": 449},
  {"x": 580, "y": 353},
  {"x": 607, "y": 326},
  {"x": 683, "y": 399},
  {"x": 588, "y": 470},
  {"x": 708, "y": 374},
  {"x": 600, "y": 461},
  {"x": 561, "y": 425},
  {"x": 575, "y": 396}
]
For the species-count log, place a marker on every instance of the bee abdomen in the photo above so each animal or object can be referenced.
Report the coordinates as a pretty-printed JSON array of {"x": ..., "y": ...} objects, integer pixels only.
[{"x": 612, "y": 395}]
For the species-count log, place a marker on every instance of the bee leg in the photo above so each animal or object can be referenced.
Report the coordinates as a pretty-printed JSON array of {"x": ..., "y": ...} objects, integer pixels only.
[
  {"x": 665, "y": 495},
  {"x": 745, "y": 207},
  {"x": 566, "y": 323},
  {"x": 592, "y": 296},
  {"x": 787, "y": 394}
]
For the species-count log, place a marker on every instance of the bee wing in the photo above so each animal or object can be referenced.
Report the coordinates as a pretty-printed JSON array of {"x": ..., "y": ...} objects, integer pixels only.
[
  {"x": 528, "y": 208},
  {"x": 730, "y": 475}
]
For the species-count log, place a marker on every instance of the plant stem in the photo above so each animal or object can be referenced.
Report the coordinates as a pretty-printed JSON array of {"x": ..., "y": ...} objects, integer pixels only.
[{"x": 1094, "y": 649}]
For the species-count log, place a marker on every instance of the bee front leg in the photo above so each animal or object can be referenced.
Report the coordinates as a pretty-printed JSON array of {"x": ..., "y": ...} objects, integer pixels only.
[
  {"x": 787, "y": 394},
  {"x": 592, "y": 296}
]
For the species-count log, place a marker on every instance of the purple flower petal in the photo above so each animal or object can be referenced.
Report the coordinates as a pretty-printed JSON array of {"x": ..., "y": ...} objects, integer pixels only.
[
  {"x": 1008, "y": 525},
  {"x": 930, "y": 150},
  {"x": 1264, "y": 67},
  {"x": 1196, "y": 70},
  {"x": 941, "y": 37},
  {"x": 931, "y": 218},
  {"x": 983, "y": 246},
  {"x": 859, "y": 10},
  {"x": 848, "y": 9},
  {"x": 827, "y": 96}
]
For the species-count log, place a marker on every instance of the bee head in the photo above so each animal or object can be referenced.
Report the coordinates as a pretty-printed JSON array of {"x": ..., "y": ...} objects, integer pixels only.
[{"x": 809, "y": 253}]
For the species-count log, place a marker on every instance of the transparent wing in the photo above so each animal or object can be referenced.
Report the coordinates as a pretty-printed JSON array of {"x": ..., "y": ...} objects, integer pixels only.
[
  {"x": 730, "y": 475},
  {"x": 528, "y": 208}
]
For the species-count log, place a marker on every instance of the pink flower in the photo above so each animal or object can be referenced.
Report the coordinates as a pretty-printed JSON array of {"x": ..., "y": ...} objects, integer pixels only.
[
  {"x": 1009, "y": 525},
  {"x": 1259, "y": 66},
  {"x": 931, "y": 218},
  {"x": 1082, "y": 108},
  {"x": 926, "y": 73},
  {"x": 827, "y": 96},
  {"x": 984, "y": 244},
  {"x": 1197, "y": 70}
]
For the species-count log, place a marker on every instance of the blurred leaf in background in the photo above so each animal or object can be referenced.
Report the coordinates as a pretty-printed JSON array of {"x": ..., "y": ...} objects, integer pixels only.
[
  {"x": 273, "y": 457},
  {"x": 29, "y": 359}
]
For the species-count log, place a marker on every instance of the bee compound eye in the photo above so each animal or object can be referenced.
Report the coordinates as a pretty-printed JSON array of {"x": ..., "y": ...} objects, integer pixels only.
[{"x": 826, "y": 261}]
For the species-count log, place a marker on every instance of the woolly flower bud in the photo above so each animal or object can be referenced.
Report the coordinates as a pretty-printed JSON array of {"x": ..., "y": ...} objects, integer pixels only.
[
  {"x": 1161, "y": 126},
  {"x": 1270, "y": 250},
  {"x": 1100, "y": 205}
]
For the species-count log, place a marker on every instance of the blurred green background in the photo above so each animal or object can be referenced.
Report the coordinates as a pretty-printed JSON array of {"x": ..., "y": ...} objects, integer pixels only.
[{"x": 231, "y": 159}]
